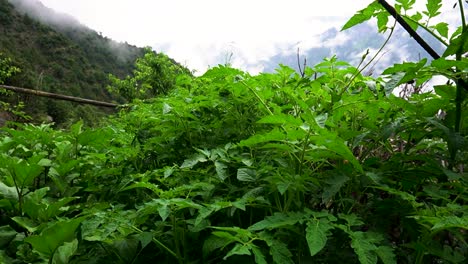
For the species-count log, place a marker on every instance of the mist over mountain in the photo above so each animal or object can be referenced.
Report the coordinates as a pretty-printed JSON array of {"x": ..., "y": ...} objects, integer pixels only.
[
  {"x": 57, "y": 54},
  {"x": 352, "y": 44}
]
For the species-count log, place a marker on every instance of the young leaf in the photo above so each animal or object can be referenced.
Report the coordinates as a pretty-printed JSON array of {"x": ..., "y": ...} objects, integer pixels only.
[
  {"x": 63, "y": 253},
  {"x": 364, "y": 248},
  {"x": 316, "y": 235},
  {"x": 386, "y": 254},
  {"x": 278, "y": 220},
  {"x": 246, "y": 175},
  {"x": 239, "y": 249},
  {"x": 362, "y": 15},
  {"x": 54, "y": 236}
]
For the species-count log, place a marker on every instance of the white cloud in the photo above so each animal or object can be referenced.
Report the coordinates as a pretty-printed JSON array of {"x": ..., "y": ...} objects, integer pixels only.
[
  {"x": 201, "y": 33},
  {"x": 198, "y": 32}
]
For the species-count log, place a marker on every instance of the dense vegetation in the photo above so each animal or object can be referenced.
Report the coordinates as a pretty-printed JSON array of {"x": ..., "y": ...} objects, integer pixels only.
[
  {"x": 323, "y": 166},
  {"x": 57, "y": 54}
]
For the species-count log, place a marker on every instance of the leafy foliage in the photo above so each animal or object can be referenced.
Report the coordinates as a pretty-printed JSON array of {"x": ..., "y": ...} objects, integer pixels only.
[{"x": 329, "y": 167}]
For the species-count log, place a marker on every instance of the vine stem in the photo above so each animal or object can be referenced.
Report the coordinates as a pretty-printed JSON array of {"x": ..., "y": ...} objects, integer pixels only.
[
  {"x": 427, "y": 30},
  {"x": 370, "y": 61}
]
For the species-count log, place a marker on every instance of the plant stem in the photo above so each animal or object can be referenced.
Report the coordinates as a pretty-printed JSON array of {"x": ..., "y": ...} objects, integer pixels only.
[
  {"x": 427, "y": 30},
  {"x": 461, "y": 83}
]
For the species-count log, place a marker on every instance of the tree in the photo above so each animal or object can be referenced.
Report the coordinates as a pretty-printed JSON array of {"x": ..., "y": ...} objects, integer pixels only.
[{"x": 154, "y": 74}]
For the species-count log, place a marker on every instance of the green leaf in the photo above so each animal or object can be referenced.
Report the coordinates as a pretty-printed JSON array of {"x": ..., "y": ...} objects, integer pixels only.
[
  {"x": 278, "y": 250},
  {"x": 8, "y": 192},
  {"x": 213, "y": 243},
  {"x": 442, "y": 28},
  {"x": 316, "y": 235},
  {"x": 239, "y": 249},
  {"x": 221, "y": 170},
  {"x": 54, "y": 236},
  {"x": 447, "y": 222},
  {"x": 166, "y": 109},
  {"x": 246, "y": 175},
  {"x": 386, "y": 254},
  {"x": 280, "y": 119},
  {"x": 433, "y": 7},
  {"x": 194, "y": 160},
  {"x": 362, "y": 15},
  {"x": 259, "y": 257},
  {"x": 7, "y": 234},
  {"x": 274, "y": 135},
  {"x": 364, "y": 248},
  {"x": 457, "y": 45},
  {"x": 63, "y": 253},
  {"x": 278, "y": 220}
]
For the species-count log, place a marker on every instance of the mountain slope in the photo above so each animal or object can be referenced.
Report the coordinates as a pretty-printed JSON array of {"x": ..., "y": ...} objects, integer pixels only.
[{"x": 61, "y": 56}]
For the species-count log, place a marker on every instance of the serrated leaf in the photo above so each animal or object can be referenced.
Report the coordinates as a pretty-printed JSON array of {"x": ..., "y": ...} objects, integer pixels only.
[
  {"x": 259, "y": 257},
  {"x": 316, "y": 235},
  {"x": 278, "y": 220},
  {"x": 274, "y": 135},
  {"x": 386, "y": 254},
  {"x": 362, "y": 15},
  {"x": 214, "y": 242},
  {"x": 7, "y": 234},
  {"x": 221, "y": 170},
  {"x": 433, "y": 7},
  {"x": 54, "y": 236},
  {"x": 447, "y": 222},
  {"x": 280, "y": 119},
  {"x": 442, "y": 28},
  {"x": 239, "y": 249},
  {"x": 364, "y": 248},
  {"x": 246, "y": 175},
  {"x": 458, "y": 44},
  {"x": 194, "y": 160},
  {"x": 63, "y": 253}
]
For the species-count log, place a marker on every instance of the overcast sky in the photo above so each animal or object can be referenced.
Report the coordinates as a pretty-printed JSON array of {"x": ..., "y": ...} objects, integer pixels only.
[{"x": 202, "y": 33}]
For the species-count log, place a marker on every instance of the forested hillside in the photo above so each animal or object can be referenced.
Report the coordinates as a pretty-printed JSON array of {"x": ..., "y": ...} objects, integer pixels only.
[{"x": 65, "y": 57}]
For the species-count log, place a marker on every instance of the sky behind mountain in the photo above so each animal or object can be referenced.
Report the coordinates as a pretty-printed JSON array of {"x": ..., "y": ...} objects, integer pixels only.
[{"x": 204, "y": 33}]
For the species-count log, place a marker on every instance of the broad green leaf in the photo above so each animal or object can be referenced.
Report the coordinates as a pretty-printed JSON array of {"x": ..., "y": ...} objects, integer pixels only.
[
  {"x": 362, "y": 15},
  {"x": 386, "y": 254},
  {"x": 239, "y": 249},
  {"x": 334, "y": 185},
  {"x": 194, "y": 160},
  {"x": 321, "y": 120},
  {"x": 316, "y": 235},
  {"x": 221, "y": 170},
  {"x": 213, "y": 243},
  {"x": 54, "y": 236},
  {"x": 274, "y": 135},
  {"x": 457, "y": 45},
  {"x": 278, "y": 250},
  {"x": 278, "y": 220},
  {"x": 7, "y": 234},
  {"x": 446, "y": 91},
  {"x": 433, "y": 7},
  {"x": 7, "y": 192},
  {"x": 246, "y": 175},
  {"x": 442, "y": 28},
  {"x": 447, "y": 222},
  {"x": 259, "y": 257},
  {"x": 364, "y": 248},
  {"x": 63, "y": 253},
  {"x": 26, "y": 223}
]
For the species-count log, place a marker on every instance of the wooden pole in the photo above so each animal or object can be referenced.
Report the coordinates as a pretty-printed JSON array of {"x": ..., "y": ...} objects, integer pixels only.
[{"x": 58, "y": 96}]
